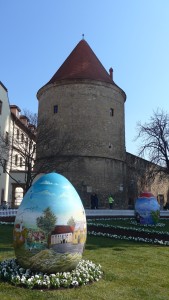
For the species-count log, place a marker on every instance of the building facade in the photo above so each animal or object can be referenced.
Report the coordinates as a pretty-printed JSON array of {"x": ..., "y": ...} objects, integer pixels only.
[
  {"x": 22, "y": 155},
  {"x": 4, "y": 133},
  {"x": 17, "y": 151}
]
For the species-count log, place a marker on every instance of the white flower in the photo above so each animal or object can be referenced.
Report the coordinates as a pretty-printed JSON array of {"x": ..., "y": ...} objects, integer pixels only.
[{"x": 74, "y": 283}]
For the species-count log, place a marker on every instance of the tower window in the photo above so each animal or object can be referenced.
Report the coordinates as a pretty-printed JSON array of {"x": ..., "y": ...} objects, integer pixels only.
[
  {"x": 55, "y": 109},
  {"x": 111, "y": 112}
]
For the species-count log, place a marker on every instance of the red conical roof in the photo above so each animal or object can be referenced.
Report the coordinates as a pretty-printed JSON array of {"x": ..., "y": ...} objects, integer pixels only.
[{"x": 82, "y": 63}]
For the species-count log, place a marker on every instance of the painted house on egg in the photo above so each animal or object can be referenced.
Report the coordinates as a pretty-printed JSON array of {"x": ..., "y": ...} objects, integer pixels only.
[{"x": 62, "y": 234}]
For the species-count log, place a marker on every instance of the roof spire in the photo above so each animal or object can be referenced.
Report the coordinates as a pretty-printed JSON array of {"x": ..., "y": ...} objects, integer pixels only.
[
  {"x": 82, "y": 63},
  {"x": 82, "y": 36}
]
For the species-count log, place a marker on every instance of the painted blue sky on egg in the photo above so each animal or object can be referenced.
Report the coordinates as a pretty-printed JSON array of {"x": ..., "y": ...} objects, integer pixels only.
[
  {"x": 54, "y": 191},
  {"x": 147, "y": 204}
]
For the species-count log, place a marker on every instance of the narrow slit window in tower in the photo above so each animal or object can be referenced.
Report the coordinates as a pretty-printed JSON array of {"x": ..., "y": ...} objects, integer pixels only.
[
  {"x": 111, "y": 112},
  {"x": 55, "y": 109}
]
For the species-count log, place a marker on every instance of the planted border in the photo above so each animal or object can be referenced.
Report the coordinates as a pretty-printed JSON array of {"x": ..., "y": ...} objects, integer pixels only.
[
  {"x": 132, "y": 233},
  {"x": 86, "y": 272}
]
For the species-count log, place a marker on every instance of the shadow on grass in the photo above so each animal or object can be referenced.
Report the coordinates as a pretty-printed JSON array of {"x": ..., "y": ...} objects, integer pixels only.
[{"x": 6, "y": 238}]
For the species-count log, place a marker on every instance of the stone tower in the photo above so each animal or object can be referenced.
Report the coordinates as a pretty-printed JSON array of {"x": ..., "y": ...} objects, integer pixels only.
[{"x": 83, "y": 109}]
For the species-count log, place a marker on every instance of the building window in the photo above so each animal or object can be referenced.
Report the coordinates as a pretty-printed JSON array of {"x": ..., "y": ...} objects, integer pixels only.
[
  {"x": 18, "y": 195},
  {"x": 4, "y": 165},
  {"x": 111, "y": 112},
  {"x": 16, "y": 160},
  {"x": 21, "y": 162},
  {"x": 17, "y": 134},
  {"x": 7, "y": 138},
  {"x": 55, "y": 109},
  {"x": 0, "y": 107},
  {"x": 22, "y": 137},
  {"x": 2, "y": 195}
]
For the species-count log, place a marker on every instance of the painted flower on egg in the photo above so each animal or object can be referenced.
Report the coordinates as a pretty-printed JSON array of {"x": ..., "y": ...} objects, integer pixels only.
[{"x": 50, "y": 226}]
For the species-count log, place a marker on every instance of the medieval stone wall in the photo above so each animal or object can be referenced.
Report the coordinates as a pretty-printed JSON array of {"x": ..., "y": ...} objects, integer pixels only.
[
  {"x": 138, "y": 180},
  {"x": 99, "y": 175}
]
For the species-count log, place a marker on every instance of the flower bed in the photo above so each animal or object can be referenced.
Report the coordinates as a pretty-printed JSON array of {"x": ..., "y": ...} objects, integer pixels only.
[
  {"x": 129, "y": 233},
  {"x": 86, "y": 272}
]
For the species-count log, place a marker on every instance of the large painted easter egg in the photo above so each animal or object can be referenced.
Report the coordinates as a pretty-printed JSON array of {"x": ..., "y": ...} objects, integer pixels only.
[
  {"x": 50, "y": 226},
  {"x": 147, "y": 209}
]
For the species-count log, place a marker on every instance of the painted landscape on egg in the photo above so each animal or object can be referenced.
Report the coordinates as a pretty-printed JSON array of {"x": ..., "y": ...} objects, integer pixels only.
[{"x": 50, "y": 227}]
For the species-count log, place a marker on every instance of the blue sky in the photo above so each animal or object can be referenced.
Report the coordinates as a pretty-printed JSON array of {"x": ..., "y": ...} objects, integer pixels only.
[{"x": 132, "y": 36}]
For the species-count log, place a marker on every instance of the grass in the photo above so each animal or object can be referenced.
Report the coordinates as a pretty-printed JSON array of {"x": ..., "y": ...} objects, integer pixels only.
[{"x": 131, "y": 271}]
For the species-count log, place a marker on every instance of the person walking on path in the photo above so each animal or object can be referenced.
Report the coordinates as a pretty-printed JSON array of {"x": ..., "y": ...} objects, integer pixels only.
[
  {"x": 96, "y": 202},
  {"x": 111, "y": 200}
]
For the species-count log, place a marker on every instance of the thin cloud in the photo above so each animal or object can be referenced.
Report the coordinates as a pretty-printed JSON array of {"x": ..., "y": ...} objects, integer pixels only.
[
  {"x": 48, "y": 182},
  {"x": 46, "y": 192}
]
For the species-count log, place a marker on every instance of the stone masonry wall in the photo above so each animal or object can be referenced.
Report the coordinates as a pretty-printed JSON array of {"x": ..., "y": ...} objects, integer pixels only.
[
  {"x": 91, "y": 114},
  {"x": 84, "y": 114}
]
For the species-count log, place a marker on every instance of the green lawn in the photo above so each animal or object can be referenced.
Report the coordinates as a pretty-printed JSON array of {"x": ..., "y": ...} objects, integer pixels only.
[{"x": 131, "y": 271}]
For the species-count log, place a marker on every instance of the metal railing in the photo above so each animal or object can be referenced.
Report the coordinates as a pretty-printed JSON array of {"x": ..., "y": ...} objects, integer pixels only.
[
  {"x": 8, "y": 212},
  {"x": 91, "y": 212}
]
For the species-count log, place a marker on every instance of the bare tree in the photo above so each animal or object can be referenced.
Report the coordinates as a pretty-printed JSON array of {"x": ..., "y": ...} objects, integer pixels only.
[
  {"x": 33, "y": 117},
  {"x": 17, "y": 151},
  {"x": 4, "y": 151},
  {"x": 26, "y": 150},
  {"x": 154, "y": 136}
]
